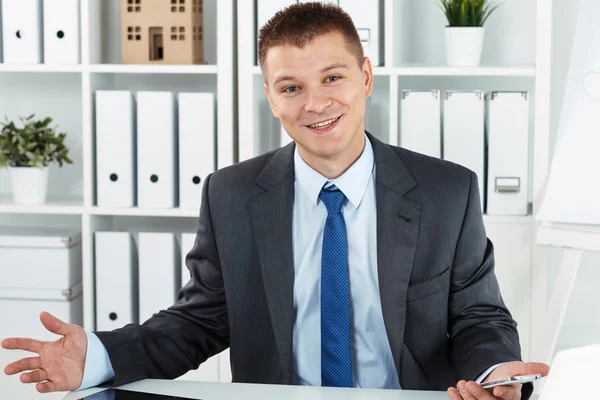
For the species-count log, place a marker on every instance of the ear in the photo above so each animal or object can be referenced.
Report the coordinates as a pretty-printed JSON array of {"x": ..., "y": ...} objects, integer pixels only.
[
  {"x": 367, "y": 70},
  {"x": 271, "y": 104}
]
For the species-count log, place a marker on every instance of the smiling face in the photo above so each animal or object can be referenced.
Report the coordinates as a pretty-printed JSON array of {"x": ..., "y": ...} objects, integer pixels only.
[{"x": 319, "y": 93}]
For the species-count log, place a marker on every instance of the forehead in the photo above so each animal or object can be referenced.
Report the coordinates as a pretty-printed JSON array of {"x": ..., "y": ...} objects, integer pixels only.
[{"x": 322, "y": 51}]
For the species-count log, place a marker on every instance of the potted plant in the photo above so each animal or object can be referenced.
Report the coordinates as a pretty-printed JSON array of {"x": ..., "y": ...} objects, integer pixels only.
[
  {"x": 27, "y": 152},
  {"x": 464, "y": 32}
]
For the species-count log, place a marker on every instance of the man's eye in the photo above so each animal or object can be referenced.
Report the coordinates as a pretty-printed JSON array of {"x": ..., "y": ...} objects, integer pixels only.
[
  {"x": 290, "y": 89},
  {"x": 332, "y": 78}
]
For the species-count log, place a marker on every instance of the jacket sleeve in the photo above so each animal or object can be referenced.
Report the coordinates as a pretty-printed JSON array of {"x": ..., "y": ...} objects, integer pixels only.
[
  {"x": 481, "y": 329},
  {"x": 186, "y": 334}
]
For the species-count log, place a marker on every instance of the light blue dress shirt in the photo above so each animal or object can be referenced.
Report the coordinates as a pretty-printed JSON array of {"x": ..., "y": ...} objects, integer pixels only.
[{"x": 372, "y": 364}]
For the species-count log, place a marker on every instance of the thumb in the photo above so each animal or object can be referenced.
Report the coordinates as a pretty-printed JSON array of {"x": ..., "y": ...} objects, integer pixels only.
[{"x": 54, "y": 324}]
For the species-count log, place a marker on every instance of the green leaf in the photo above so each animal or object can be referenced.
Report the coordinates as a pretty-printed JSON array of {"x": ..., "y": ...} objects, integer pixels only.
[
  {"x": 34, "y": 143},
  {"x": 467, "y": 12}
]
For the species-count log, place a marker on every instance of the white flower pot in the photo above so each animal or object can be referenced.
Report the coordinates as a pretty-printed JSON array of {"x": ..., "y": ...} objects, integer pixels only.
[
  {"x": 464, "y": 45},
  {"x": 29, "y": 184}
]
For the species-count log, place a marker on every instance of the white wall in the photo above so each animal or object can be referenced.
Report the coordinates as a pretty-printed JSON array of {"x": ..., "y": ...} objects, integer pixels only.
[{"x": 582, "y": 322}]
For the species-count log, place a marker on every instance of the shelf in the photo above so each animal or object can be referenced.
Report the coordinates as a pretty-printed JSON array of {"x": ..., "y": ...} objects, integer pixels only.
[
  {"x": 146, "y": 212},
  {"x": 112, "y": 68},
  {"x": 54, "y": 205},
  {"x": 444, "y": 70},
  {"x": 41, "y": 68},
  {"x": 571, "y": 236},
  {"x": 152, "y": 68}
]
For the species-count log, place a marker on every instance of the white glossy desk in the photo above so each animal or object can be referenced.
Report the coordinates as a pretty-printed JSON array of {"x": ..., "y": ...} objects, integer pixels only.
[{"x": 245, "y": 391}]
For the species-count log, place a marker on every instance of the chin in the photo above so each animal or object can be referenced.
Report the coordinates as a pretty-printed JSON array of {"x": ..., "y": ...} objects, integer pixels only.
[{"x": 328, "y": 149}]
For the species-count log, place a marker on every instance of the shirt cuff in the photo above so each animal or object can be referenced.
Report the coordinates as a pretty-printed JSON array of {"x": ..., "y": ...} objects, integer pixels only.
[
  {"x": 486, "y": 373},
  {"x": 98, "y": 368}
]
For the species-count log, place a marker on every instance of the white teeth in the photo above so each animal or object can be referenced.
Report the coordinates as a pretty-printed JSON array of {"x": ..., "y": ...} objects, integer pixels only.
[{"x": 324, "y": 123}]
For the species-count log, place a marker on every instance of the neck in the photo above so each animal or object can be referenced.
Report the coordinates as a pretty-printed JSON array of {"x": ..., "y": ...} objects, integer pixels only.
[{"x": 334, "y": 166}]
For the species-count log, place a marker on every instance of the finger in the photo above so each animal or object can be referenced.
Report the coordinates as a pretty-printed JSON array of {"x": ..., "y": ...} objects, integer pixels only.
[
  {"x": 22, "y": 344},
  {"x": 34, "y": 376},
  {"x": 477, "y": 392},
  {"x": 46, "y": 387},
  {"x": 499, "y": 391},
  {"x": 453, "y": 394},
  {"x": 510, "y": 392},
  {"x": 55, "y": 325},
  {"x": 23, "y": 365},
  {"x": 462, "y": 389}
]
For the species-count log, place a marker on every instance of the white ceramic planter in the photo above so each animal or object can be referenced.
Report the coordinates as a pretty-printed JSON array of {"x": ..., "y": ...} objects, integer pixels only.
[
  {"x": 29, "y": 185},
  {"x": 464, "y": 45}
]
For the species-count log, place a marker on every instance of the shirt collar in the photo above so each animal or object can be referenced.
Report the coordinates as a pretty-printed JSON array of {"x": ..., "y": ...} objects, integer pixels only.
[{"x": 353, "y": 182}]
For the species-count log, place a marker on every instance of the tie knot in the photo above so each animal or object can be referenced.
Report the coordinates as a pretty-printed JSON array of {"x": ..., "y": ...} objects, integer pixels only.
[{"x": 333, "y": 200}]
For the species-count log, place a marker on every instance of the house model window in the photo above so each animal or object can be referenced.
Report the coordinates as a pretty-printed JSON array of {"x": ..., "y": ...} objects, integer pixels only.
[{"x": 162, "y": 32}]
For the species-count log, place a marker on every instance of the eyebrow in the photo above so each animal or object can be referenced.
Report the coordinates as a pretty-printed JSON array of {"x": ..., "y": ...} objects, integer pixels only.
[
  {"x": 333, "y": 66},
  {"x": 325, "y": 69}
]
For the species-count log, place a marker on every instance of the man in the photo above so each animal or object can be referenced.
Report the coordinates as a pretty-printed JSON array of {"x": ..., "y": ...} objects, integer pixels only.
[{"x": 336, "y": 260}]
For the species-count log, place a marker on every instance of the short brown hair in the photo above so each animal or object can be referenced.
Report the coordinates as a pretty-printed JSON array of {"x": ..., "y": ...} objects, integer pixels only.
[{"x": 300, "y": 23}]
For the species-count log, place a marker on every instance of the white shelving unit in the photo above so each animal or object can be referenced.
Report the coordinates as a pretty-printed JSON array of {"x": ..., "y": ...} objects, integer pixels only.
[
  {"x": 516, "y": 56},
  {"x": 66, "y": 93}
]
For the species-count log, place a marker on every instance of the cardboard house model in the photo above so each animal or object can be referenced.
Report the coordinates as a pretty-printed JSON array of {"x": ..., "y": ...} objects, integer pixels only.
[{"x": 162, "y": 32}]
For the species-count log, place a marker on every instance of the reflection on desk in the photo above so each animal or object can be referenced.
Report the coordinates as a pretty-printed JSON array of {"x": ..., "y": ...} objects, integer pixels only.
[{"x": 245, "y": 391}]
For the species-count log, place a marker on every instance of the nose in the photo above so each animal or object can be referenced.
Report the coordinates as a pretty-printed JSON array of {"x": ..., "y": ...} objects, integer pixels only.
[{"x": 317, "y": 101}]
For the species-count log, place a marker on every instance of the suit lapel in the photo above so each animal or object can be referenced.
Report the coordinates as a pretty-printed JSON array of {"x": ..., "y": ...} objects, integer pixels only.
[
  {"x": 271, "y": 214},
  {"x": 398, "y": 223}
]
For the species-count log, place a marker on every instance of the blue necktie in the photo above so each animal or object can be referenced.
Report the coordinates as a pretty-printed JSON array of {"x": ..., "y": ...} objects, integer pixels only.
[{"x": 336, "y": 358}]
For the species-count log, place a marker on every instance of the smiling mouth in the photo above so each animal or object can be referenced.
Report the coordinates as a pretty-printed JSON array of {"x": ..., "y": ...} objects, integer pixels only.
[{"x": 324, "y": 124}]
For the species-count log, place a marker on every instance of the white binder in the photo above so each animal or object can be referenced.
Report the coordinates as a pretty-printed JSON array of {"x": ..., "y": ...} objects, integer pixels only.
[
  {"x": 464, "y": 135},
  {"x": 368, "y": 20},
  {"x": 508, "y": 150},
  {"x": 159, "y": 276},
  {"x": 115, "y": 149},
  {"x": 157, "y": 150},
  {"x": 1, "y": 35},
  {"x": 266, "y": 9},
  {"x": 196, "y": 145},
  {"x": 420, "y": 121},
  {"x": 61, "y": 31},
  {"x": 22, "y": 31},
  {"x": 116, "y": 280},
  {"x": 225, "y": 374},
  {"x": 187, "y": 243}
]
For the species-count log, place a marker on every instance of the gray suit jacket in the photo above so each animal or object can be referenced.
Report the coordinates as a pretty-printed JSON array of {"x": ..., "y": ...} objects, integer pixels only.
[{"x": 443, "y": 312}]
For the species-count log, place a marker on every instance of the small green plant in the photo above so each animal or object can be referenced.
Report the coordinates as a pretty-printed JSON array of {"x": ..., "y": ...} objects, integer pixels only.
[
  {"x": 36, "y": 144},
  {"x": 467, "y": 12}
]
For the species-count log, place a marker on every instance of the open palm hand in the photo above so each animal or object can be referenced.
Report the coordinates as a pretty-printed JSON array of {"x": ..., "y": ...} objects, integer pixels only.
[{"x": 59, "y": 365}]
